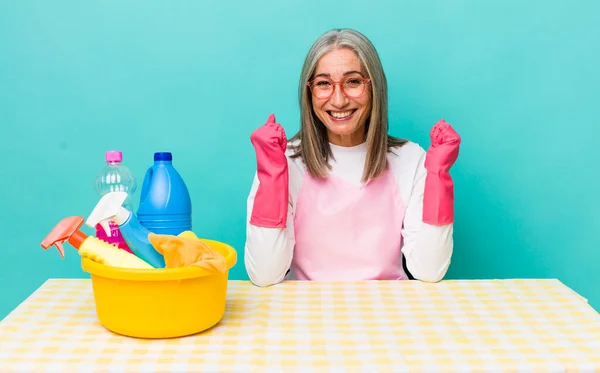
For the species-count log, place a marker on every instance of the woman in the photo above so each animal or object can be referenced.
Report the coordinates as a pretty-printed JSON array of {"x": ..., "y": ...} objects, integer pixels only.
[{"x": 343, "y": 200}]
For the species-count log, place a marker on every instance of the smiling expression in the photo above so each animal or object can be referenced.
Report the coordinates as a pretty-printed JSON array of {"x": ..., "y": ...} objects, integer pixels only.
[{"x": 344, "y": 117}]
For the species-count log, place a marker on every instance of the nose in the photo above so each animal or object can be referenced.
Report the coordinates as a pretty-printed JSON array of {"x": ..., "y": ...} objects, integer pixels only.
[{"x": 338, "y": 99}]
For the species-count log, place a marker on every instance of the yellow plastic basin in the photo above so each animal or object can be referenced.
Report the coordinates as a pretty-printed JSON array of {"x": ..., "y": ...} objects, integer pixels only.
[{"x": 160, "y": 303}]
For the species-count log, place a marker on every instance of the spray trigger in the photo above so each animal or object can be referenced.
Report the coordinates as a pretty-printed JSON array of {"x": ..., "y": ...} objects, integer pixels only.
[
  {"x": 66, "y": 230},
  {"x": 60, "y": 248},
  {"x": 105, "y": 225},
  {"x": 105, "y": 210}
]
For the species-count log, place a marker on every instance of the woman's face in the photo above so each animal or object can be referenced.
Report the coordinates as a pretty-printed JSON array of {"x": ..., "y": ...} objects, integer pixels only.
[{"x": 344, "y": 116}]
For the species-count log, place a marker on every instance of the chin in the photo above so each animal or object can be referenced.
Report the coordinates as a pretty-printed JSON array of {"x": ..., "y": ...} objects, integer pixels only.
[{"x": 343, "y": 131}]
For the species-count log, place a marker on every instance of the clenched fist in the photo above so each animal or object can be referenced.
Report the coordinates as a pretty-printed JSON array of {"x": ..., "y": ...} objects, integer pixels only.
[
  {"x": 271, "y": 199},
  {"x": 438, "y": 197},
  {"x": 444, "y": 148}
]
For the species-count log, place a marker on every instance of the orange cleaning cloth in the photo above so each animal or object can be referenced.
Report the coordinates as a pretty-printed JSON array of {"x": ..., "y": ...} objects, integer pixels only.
[{"x": 187, "y": 250}]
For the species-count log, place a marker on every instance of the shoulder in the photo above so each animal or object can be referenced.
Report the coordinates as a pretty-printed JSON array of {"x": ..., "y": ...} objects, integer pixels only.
[
  {"x": 409, "y": 154},
  {"x": 296, "y": 168},
  {"x": 292, "y": 145},
  {"x": 407, "y": 164},
  {"x": 293, "y": 148}
]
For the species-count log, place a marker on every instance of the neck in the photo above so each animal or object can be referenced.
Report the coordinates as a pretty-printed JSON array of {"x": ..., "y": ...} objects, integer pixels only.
[{"x": 349, "y": 140}]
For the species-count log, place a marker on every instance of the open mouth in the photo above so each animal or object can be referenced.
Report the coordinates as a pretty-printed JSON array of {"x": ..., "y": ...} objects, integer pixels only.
[{"x": 341, "y": 115}]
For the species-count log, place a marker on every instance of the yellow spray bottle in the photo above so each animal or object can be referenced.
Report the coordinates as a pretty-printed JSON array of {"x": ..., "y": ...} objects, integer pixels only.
[{"x": 90, "y": 246}]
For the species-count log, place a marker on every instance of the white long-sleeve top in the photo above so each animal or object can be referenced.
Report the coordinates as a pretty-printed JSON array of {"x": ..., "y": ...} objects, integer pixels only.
[{"x": 427, "y": 248}]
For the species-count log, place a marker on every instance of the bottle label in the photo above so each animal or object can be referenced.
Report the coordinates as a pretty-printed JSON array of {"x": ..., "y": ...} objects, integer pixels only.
[
  {"x": 115, "y": 239},
  {"x": 115, "y": 233}
]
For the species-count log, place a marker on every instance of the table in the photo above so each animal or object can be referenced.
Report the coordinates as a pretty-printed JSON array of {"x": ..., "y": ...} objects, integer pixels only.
[{"x": 454, "y": 326}]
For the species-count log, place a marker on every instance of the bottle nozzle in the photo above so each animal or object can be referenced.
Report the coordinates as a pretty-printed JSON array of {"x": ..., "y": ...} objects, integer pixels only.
[
  {"x": 66, "y": 230},
  {"x": 107, "y": 208}
]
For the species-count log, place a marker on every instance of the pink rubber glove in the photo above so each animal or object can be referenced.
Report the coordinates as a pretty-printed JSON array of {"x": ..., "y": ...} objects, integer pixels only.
[
  {"x": 438, "y": 198},
  {"x": 271, "y": 200}
]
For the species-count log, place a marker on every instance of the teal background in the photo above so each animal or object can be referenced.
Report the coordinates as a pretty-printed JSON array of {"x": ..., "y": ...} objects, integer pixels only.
[{"x": 518, "y": 80}]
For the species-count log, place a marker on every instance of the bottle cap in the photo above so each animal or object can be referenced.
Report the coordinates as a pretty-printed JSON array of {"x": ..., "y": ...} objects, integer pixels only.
[
  {"x": 163, "y": 156},
  {"x": 114, "y": 156}
]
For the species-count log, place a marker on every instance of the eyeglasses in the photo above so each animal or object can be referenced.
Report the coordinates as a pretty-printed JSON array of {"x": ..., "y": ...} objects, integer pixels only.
[{"x": 323, "y": 88}]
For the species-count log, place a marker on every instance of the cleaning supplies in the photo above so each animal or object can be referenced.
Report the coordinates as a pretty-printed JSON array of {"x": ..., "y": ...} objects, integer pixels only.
[
  {"x": 110, "y": 209},
  {"x": 186, "y": 249},
  {"x": 159, "y": 303},
  {"x": 165, "y": 203},
  {"x": 115, "y": 176},
  {"x": 89, "y": 246}
]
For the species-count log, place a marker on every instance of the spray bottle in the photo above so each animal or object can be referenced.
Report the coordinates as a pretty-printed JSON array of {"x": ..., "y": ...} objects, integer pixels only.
[
  {"x": 110, "y": 208},
  {"x": 90, "y": 246}
]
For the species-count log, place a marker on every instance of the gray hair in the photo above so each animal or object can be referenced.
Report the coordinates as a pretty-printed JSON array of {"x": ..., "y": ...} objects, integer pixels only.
[{"x": 313, "y": 146}]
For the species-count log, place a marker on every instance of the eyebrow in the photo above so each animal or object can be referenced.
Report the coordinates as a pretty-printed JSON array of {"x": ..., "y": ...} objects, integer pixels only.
[{"x": 346, "y": 73}]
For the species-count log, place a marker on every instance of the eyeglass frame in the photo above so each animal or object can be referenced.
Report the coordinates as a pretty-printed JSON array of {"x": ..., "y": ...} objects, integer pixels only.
[{"x": 366, "y": 81}]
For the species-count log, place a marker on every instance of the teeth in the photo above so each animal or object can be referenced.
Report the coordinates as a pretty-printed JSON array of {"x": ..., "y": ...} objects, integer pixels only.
[{"x": 340, "y": 115}]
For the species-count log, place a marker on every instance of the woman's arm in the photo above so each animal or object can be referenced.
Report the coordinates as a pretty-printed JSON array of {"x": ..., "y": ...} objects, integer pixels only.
[
  {"x": 268, "y": 251},
  {"x": 427, "y": 248},
  {"x": 428, "y": 226}
]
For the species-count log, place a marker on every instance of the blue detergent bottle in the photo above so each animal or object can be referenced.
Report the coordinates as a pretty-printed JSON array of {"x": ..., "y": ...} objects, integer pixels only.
[{"x": 165, "y": 204}]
